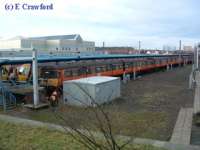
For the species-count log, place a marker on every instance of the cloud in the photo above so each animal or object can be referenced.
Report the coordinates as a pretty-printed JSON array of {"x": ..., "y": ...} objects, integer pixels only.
[{"x": 117, "y": 22}]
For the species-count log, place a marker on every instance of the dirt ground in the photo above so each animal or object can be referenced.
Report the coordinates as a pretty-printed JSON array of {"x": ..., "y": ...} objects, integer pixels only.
[{"x": 147, "y": 108}]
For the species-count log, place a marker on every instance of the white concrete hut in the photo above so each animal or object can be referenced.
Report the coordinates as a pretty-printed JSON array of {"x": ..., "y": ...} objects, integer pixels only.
[{"x": 91, "y": 91}]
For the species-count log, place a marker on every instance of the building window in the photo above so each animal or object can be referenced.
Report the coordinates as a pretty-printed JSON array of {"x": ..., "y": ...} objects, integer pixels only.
[{"x": 76, "y": 49}]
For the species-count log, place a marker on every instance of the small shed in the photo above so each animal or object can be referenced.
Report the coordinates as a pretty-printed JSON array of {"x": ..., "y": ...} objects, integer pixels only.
[{"x": 91, "y": 91}]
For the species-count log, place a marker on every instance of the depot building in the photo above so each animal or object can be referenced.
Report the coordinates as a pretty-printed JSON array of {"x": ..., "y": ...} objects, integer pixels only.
[{"x": 70, "y": 43}]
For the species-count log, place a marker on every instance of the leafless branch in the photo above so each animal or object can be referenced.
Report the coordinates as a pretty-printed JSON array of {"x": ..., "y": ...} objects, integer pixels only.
[{"x": 86, "y": 136}]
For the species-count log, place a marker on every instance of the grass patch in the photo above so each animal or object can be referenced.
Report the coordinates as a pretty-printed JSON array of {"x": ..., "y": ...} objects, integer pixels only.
[
  {"x": 144, "y": 124},
  {"x": 21, "y": 137},
  {"x": 140, "y": 124}
]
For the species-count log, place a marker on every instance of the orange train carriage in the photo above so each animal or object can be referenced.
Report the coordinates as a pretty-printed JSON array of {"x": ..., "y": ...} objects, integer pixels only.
[{"x": 54, "y": 74}]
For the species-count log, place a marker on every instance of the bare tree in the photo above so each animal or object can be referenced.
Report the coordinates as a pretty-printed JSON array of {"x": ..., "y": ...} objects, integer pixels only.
[{"x": 104, "y": 139}]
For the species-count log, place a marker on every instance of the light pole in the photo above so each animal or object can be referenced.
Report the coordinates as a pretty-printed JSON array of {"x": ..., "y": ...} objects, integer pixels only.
[
  {"x": 35, "y": 78},
  {"x": 196, "y": 58},
  {"x": 139, "y": 46},
  {"x": 180, "y": 45}
]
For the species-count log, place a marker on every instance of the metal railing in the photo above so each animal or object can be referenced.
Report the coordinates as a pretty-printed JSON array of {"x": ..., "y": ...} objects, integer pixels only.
[{"x": 7, "y": 99}]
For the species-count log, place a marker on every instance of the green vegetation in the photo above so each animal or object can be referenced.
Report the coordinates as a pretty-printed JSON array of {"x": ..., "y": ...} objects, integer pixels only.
[
  {"x": 144, "y": 124},
  {"x": 140, "y": 124},
  {"x": 196, "y": 120},
  {"x": 21, "y": 137}
]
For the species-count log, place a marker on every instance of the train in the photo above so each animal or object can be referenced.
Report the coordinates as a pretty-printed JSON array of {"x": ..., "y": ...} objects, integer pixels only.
[{"x": 53, "y": 74}]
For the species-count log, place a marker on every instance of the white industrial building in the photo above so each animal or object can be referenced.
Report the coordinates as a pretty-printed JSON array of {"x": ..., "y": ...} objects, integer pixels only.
[
  {"x": 70, "y": 43},
  {"x": 91, "y": 91},
  {"x": 188, "y": 48}
]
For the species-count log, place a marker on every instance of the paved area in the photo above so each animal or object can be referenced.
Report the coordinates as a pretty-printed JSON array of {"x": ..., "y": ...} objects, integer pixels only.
[
  {"x": 197, "y": 100},
  {"x": 197, "y": 93},
  {"x": 166, "y": 145},
  {"x": 196, "y": 105},
  {"x": 182, "y": 129}
]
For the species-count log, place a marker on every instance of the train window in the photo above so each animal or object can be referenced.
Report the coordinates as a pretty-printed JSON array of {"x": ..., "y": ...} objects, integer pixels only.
[
  {"x": 138, "y": 64},
  {"x": 50, "y": 74},
  {"x": 114, "y": 67},
  {"x": 126, "y": 65},
  {"x": 93, "y": 69},
  {"x": 103, "y": 68},
  {"x": 156, "y": 62},
  {"x": 75, "y": 73},
  {"x": 119, "y": 66},
  {"x": 108, "y": 67},
  {"x": 135, "y": 64},
  {"x": 82, "y": 71},
  {"x": 22, "y": 70},
  {"x": 4, "y": 71},
  {"x": 88, "y": 71},
  {"x": 149, "y": 62},
  {"x": 68, "y": 73},
  {"x": 98, "y": 69}
]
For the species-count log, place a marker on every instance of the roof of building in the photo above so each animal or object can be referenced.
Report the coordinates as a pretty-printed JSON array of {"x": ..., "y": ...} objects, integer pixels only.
[
  {"x": 50, "y": 58},
  {"x": 57, "y": 37},
  {"x": 94, "y": 80},
  {"x": 14, "y": 38}
]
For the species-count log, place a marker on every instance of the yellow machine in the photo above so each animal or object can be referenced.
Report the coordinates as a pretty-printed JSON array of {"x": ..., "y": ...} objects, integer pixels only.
[
  {"x": 23, "y": 72},
  {"x": 5, "y": 72}
]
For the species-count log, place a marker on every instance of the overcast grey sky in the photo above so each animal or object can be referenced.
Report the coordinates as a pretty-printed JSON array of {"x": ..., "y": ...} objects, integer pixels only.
[{"x": 117, "y": 22}]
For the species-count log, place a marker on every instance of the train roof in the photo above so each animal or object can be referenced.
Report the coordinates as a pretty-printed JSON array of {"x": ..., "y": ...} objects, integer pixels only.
[{"x": 52, "y": 58}]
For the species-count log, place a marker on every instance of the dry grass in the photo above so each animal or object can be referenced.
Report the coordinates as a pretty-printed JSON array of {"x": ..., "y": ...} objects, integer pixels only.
[{"x": 20, "y": 137}]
